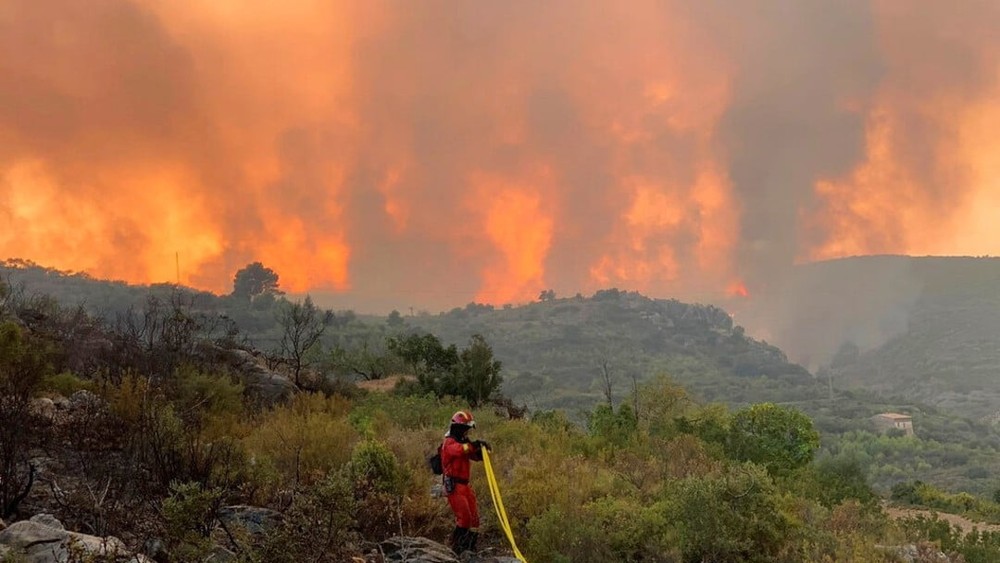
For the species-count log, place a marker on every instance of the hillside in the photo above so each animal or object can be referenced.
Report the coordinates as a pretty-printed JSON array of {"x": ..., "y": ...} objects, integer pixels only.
[
  {"x": 926, "y": 329},
  {"x": 198, "y": 454},
  {"x": 557, "y": 352}
]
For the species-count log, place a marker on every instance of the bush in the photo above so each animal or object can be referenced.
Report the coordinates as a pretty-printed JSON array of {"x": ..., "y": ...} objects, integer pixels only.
[
  {"x": 320, "y": 524},
  {"x": 66, "y": 384},
  {"x": 730, "y": 517},
  {"x": 190, "y": 513},
  {"x": 778, "y": 438},
  {"x": 378, "y": 482},
  {"x": 833, "y": 480},
  {"x": 304, "y": 440}
]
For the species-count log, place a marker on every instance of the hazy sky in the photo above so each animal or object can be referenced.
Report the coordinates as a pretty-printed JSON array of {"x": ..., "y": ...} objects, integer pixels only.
[{"x": 433, "y": 153}]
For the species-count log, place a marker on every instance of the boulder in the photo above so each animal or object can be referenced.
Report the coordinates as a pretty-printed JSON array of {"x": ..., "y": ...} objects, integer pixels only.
[
  {"x": 415, "y": 550},
  {"x": 253, "y": 519},
  {"x": 47, "y": 520},
  {"x": 85, "y": 400},
  {"x": 60, "y": 402},
  {"x": 268, "y": 386},
  {"x": 44, "y": 540},
  {"x": 44, "y": 407},
  {"x": 220, "y": 555}
]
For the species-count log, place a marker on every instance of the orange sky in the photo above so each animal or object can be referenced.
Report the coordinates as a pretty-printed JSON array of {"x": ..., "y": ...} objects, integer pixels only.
[{"x": 436, "y": 153}]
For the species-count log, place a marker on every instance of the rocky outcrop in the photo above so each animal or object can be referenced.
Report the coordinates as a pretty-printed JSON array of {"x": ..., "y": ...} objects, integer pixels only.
[
  {"x": 253, "y": 519},
  {"x": 267, "y": 385},
  {"x": 220, "y": 555},
  {"x": 44, "y": 407},
  {"x": 923, "y": 552},
  {"x": 415, "y": 550},
  {"x": 422, "y": 550},
  {"x": 85, "y": 400},
  {"x": 43, "y": 539}
]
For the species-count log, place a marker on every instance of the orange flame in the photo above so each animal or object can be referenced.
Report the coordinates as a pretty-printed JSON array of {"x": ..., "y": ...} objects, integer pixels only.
[
  {"x": 928, "y": 180},
  {"x": 737, "y": 289},
  {"x": 465, "y": 146}
]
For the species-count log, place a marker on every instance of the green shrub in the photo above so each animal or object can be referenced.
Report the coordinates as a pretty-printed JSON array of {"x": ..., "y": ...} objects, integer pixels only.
[
  {"x": 778, "y": 438},
  {"x": 190, "y": 513},
  {"x": 614, "y": 427},
  {"x": 730, "y": 517},
  {"x": 320, "y": 524},
  {"x": 832, "y": 480},
  {"x": 65, "y": 384},
  {"x": 303, "y": 440},
  {"x": 379, "y": 483},
  {"x": 563, "y": 535}
]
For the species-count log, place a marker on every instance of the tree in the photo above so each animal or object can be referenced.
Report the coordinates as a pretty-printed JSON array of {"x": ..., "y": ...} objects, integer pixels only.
[
  {"x": 302, "y": 325},
  {"x": 370, "y": 360},
  {"x": 255, "y": 280},
  {"x": 425, "y": 355},
  {"x": 475, "y": 377},
  {"x": 547, "y": 295},
  {"x": 23, "y": 366},
  {"x": 616, "y": 427},
  {"x": 607, "y": 381},
  {"x": 395, "y": 319},
  {"x": 780, "y": 439},
  {"x": 473, "y": 373},
  {"x": 733, "y": 517},
  {"x": 478, "y": 372}
]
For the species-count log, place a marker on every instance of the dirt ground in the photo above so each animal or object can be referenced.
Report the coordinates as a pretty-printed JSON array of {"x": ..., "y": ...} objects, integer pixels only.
[{"x": 897, "y": 512}]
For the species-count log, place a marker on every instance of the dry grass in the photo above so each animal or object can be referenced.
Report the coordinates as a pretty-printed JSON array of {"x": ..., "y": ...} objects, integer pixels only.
[{"x": 385, "y": 384}]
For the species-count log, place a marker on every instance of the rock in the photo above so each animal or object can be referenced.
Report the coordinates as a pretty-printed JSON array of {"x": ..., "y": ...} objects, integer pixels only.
[
  {"x": 61, "y": 403},
  {"x": 416, "y": 550},
  {"x": 923, "y": 552},
  {"x": 44, "y": 407},
  {"x": 253, "y": 519},
  {"x": 47, "y": 520},
  {"x": 268, "y": 386},
  {"x": 220, "y": 555},
  {"x": 84, "y": 400},
  {"x": 35, "y": 541},
  {"x": 156, "y": 548}
]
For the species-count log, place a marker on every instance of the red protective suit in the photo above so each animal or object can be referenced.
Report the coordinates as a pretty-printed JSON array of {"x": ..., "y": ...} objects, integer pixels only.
[{"x": 455, "y": 461}]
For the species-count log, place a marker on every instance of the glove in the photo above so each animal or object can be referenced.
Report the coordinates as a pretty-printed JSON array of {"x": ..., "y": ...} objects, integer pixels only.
[{"x": 483, "y": 444}]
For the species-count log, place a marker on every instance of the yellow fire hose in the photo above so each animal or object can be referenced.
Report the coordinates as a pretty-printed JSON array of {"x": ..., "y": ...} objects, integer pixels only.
[{"x": 498, "y": 504}]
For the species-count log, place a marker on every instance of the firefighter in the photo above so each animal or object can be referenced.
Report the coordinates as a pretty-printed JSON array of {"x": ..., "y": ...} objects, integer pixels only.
[{"x": 457, "y": 452}]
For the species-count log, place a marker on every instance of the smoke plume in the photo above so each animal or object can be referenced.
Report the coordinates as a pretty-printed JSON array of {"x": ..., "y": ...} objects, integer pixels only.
[{"x": 434, "y": 153}]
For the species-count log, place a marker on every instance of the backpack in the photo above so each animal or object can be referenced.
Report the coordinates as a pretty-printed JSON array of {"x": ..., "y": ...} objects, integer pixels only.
[{"x": 435, "y": 462}]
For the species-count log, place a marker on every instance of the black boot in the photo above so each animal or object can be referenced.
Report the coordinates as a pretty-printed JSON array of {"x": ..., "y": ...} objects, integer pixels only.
[
  {"x": 471, "y": 539},
  {"x": 458, "y": 539}
]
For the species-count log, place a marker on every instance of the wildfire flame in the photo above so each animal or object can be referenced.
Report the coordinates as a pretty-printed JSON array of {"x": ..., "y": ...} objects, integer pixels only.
[{"x": 737, "y": 289}]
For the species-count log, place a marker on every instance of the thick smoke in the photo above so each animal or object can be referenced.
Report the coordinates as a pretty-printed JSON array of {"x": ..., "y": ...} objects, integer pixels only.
[{"x": 431, "y": 154}]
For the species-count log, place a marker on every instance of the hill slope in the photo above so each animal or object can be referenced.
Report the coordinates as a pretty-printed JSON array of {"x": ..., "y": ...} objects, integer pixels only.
[
  {"x": 557, "y": 352},
  {"x": 927, "y": 329}
]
